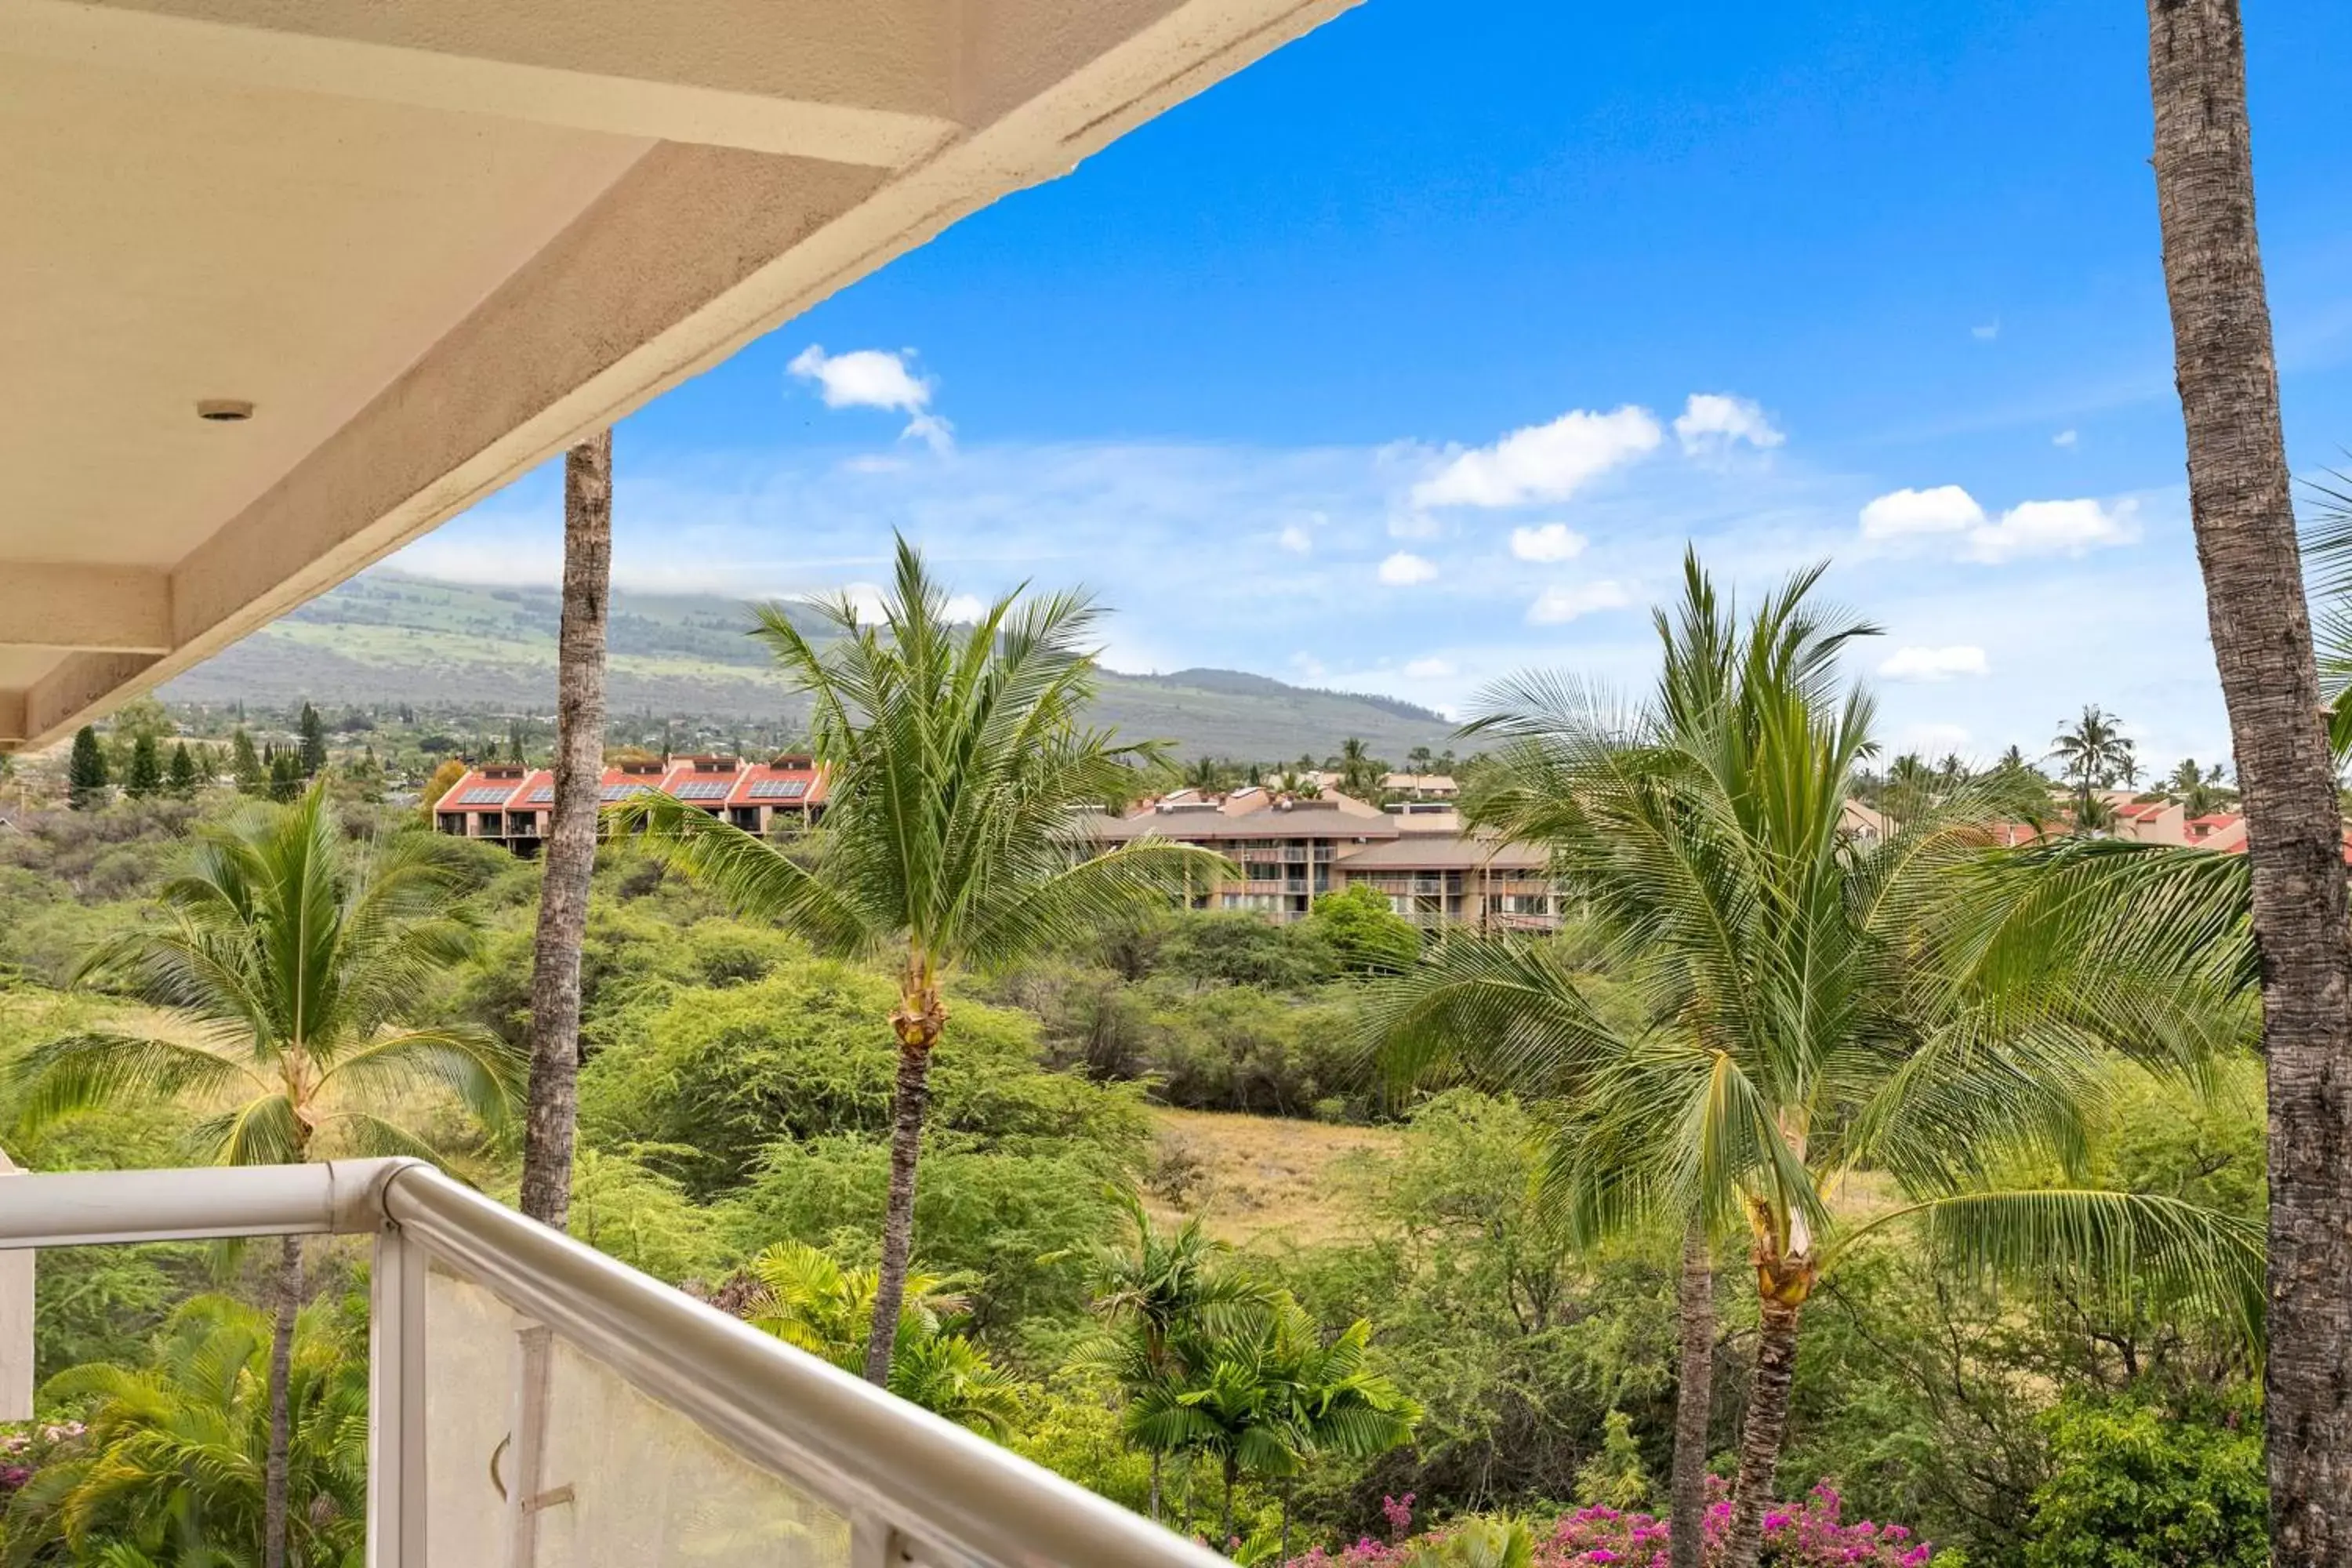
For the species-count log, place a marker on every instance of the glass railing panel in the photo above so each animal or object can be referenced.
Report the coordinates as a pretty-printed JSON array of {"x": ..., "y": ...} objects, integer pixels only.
[
  {"x": 622, "y": 1480},
  {"x": 470, "y": 1339},
  {"x": 648, "y": 1488}
]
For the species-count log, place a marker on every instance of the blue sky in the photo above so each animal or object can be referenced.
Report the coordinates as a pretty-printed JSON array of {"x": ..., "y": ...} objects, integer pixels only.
[{"x": 1415, "y": 355}]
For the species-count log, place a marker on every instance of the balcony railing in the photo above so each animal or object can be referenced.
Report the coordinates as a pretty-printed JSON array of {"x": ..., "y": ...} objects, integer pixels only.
[{"x": 532, "y": 1401}]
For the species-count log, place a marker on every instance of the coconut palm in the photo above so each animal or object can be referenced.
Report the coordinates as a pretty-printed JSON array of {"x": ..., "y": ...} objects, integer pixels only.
[
  {"x": 172, "y": 1465},
  {"x": 2095, "y": 750},
  {"x": 570, "y": 855},
  {"x": 1162, "y": 1295},
  {"x": 954, "y": 829},
  {"x": 1359, "y": 771},
  {"x": 806, "y": 1298},
  {"x": 2241, "y": 507},
  {"x": 286, "y": 961},
  {"x": 1812, "y": 1005}
]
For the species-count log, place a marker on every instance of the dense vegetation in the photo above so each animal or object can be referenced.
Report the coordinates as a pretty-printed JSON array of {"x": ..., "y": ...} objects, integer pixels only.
[{"x": 1440, "y": 1373}]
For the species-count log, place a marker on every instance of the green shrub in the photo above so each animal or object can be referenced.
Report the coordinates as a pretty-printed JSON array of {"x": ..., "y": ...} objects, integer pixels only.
[
  {"x": 2136, "y": 1484},
  {"x": 1014, "y": 1220},
  {"x": 720, "y": 1074},
  {"x": 1369, "y": 937}
]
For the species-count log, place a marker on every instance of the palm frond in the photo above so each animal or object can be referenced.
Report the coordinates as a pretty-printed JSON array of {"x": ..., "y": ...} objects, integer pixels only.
[
  {"x": 2100, "y": 1243},
  {"x": 98, "y": 1067},
  {"x": 488, "y": 1074}
]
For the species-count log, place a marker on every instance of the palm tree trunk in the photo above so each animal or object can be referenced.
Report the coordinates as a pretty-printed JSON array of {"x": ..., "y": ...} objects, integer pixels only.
[
  {"x": 1226, "y": 1528},
  {"x": 570, "y": 850},
  {"x": 2241, "y": 503},
  {"x": 281, "y": 1368},
  {"x": 1284, "y": 1556},
  {"x": 913, "y": 1095},
  {"x": 1694, "y": 1399},
  {"x": 1155, "y": 1486},
  {"x": 1759, "y": 1441}
]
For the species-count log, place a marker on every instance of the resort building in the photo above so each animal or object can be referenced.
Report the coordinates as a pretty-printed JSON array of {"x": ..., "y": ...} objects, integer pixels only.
[
  {"x": 1292, "y": 850},
  {"x": 510, "y": 804}
]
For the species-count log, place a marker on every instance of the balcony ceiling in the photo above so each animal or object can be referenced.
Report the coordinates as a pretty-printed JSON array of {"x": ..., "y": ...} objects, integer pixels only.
[{"x": 433, "y": 242}]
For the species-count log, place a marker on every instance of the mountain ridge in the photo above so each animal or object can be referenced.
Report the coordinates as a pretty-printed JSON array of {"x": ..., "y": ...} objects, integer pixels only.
[{"x": 388, "y": 637}]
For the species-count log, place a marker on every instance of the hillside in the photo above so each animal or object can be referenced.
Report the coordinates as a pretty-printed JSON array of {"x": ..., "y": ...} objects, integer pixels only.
[{"x": 385, "y": 638}]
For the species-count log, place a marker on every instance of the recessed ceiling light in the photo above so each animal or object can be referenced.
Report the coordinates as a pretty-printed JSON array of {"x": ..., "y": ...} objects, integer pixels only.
[{"x": 224, "y": 410}]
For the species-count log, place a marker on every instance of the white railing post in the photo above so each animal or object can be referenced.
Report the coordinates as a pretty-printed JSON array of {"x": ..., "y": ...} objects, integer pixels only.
[
  {"x": 396, "y": 1430},
  {"x": 17, "y": 1343}
]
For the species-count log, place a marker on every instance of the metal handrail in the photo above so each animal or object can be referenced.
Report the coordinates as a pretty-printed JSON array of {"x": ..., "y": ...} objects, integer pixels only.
[{"x": 917, "y": 1488}]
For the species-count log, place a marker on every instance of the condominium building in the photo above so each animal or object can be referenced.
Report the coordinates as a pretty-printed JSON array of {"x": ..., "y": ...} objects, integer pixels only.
[
  {"x": 1291, "y": 851},
  {"x": 512, "y": 805}
]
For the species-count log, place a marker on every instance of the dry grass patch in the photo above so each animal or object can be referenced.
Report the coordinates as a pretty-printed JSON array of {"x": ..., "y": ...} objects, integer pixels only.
[{"x": 1259, "y": 1178}]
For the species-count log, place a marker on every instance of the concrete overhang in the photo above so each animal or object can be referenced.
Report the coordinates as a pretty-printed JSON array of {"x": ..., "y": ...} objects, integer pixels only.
[{"x": 433, "y": 242}]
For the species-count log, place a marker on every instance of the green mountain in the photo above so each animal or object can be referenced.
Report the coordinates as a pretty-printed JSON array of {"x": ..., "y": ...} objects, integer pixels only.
[{"x": 385, "y": 638}]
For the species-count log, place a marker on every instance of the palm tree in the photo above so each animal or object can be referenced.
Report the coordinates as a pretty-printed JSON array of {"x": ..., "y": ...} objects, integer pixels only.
[
  {"x": 1264, "y": 1399},
  {"x": 2096, "y": 752},
  {"x": 1338, "y": 1405},
  {"x": 285, "y": 963},
  {"x": 1359, "y": 770},
  {"x": 1814, "y": 1005},
  {"x": 807, "y": 1299},
  {"x": 2241, "y": 507},
  {"x": 172, "y": 1465},
  {"x": 1207, "y": 775},
  {"x": 570, "y": 846},
  {"x": 953, "y": 836},
  {"x": 1162, "y": 1297}
]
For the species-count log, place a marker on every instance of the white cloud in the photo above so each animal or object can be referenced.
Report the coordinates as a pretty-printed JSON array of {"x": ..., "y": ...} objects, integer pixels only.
[
  {"x": 1428, "y": 668},
  {"x": 1403, "y": 569},
  {"x": 932, "y": 430},
  {"x": 2054, "y": 527},
  {"x": 1552, "y": 542},
  {"x": 1543, "y": 462},
  {"x": 1713, "y": 421},
  {"x": 1947, "y": 509},
  {"x": 866, "y": 598},
  {"x": 1934, "y": 663},
  {"x": 2064, "y": 438},
  {"x": 869, "y": 598},
  {"x": 876, "y": 378},
  {"x": 1987, "y": 333},
  {"x": 1563, "y": 602},
  {"x": 2029, "y": 528},
  {"x": 1294, "y": 539}
]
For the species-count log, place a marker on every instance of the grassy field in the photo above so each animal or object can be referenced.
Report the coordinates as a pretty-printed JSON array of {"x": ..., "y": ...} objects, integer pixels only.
[{"x": 1263, "y": 1180}]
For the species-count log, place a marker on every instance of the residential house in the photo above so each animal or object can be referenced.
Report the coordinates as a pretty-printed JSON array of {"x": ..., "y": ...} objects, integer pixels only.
[
  {"x": 1421, "y": 786},
  {"x": 512, "y": 805}
]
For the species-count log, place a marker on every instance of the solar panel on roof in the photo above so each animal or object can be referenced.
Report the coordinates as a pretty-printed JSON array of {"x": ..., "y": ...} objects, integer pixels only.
[
  {"x": 704, "y": 789},
  {"x": 542, "y": 794},
  {"x": 486, "y": 796},
  {"x": 623, "y": 791},
  {"x": 777, "y": 789}
]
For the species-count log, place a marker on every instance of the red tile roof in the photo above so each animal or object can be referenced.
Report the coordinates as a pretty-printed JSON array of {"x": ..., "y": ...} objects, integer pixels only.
[
  {"x": 771, "y": 783},
  {"x": 495, "y": 787}
]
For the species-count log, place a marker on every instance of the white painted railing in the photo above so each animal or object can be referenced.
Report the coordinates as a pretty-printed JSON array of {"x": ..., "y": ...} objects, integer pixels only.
[{"x": 533, "y": 1403}]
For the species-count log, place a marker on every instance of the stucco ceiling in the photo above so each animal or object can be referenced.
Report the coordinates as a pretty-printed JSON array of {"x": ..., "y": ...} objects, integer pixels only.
[{"x": 170, "y": 241}]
